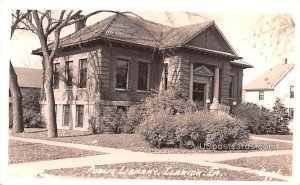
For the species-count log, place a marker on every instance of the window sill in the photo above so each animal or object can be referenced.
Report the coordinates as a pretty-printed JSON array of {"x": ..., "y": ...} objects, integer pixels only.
[
  {"x": 143, "y": 91},
  {"x": 122, "y": 90}
]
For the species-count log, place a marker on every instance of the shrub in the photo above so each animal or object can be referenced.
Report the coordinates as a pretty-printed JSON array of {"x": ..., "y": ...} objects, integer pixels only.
[
  {"x": 281, "y": 117},
  {"x": 159, "y": 130},
  {"x": 170, "y": 100},
  {"x": 31, "y": 109},
  {"x": 261, "y": 120},
  {"x": 112, "y": 121},
  {"x": 189, "y": 131},
  {"x": 192, "y": 130},
  {"x": 134, "y": 118},
  {"x": 222, "y": 129}
]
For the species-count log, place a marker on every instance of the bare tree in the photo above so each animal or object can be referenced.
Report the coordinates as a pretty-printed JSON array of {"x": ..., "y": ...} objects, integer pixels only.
[
  {"x": 16, "y": 96},
  {"x": 273, "y": 35},
  {"x": 48, "y": 25}
]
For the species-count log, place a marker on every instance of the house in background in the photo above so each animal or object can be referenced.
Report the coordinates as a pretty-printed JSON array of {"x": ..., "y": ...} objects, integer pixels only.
[
  {"x": 28, "y": 79},
  {"x": 279, "y": 81},
  {"x": 115, "y": 63}
]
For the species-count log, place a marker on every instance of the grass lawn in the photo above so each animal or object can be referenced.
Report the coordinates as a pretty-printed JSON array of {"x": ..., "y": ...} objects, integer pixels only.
[
  {"x": 274, "y": 163},
  {"x": 132, "y": 142},
  {"x": 156, "y": 170},
  {"x": 281, "y": 137},
  {"x": 20, "y": 152}
]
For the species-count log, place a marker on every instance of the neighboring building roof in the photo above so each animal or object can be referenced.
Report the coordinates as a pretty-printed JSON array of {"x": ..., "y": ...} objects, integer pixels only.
[
  {"x": 242, "y": 62},
  {"x": 271, "y": 78},
  {"x": 28, "y": 77},
  {"x": 137, "y": 31}
]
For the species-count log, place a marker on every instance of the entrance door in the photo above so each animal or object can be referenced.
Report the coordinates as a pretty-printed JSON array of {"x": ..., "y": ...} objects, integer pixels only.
[{"x": 199, "y": 93}]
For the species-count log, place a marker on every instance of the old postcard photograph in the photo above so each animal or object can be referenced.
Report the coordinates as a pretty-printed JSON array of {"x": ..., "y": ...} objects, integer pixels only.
[{"x": 168, "y": 95}]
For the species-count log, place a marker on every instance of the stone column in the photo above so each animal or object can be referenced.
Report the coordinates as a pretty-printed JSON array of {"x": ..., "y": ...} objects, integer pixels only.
[
  {"x": 191, "y": 81},
  {"x": 216, "y": 85}
]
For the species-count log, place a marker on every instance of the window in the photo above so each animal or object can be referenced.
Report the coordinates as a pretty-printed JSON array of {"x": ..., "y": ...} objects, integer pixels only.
[
  {"x": 80, "y": 115},
  {"x": 66, "y": 115},
  {"x": 143, "y": 80},
  {"x": 291, "y": 113},
  {"x": 291, "y": 91},
  {"x": 69, "y": 73},
  {"x": 261, "y": 95},
  {"x": 122, "y": 74},
  {"x": 122, "y": 108},
  {"x": 55, "y": 112},
  {"x": 82, "y": 73},
  {"x": 56, "y": 76},
  {"x": 231, "y": 87},
  {"x": 199, "y": 93},
  {"x": 165, "y": 77}
]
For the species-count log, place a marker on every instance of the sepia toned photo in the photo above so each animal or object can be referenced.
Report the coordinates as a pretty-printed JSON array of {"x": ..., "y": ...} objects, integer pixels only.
[{"x": 152, "y": 95}]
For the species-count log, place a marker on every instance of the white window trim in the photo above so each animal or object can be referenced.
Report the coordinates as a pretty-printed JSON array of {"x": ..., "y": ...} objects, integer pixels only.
[
  {"x": 63, "y": 117},
  {"x": 76, "y": 121}
]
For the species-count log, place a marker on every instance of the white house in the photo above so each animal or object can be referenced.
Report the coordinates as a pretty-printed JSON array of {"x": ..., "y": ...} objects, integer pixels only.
[{"x": 279, "y": 82}]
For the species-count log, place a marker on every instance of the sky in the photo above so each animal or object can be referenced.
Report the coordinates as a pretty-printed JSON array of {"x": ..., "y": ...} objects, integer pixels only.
[{"x": 235, "y": 27}]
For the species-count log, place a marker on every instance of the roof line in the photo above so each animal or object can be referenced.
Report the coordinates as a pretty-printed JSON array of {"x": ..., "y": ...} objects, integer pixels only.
[
  {"x": 198, "y": 32},
  {"x": 213, "y": 51},
  {"x": 225, "y": 38},
  {"x": 282, "y": 76}
]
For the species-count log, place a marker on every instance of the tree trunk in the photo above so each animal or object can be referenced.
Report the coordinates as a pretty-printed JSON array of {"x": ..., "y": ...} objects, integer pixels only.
[
  {"x": 16, "y": 99},
  {"x": 50, "y": 102}
]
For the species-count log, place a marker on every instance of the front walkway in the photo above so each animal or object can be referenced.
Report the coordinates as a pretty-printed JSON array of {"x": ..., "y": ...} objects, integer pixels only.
[{"x": 114, "y": 156}]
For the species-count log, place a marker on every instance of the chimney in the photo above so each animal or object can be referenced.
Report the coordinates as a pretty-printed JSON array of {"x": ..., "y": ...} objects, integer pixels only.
[
  {"x": 81, "y": 23},
  {"x": 285, "y": 61}
]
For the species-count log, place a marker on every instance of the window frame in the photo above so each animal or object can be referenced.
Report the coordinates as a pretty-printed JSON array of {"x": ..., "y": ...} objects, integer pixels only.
[
  {"x": 80, "y": 76},
  {"x": 292, "y": 91},
  {"x": 64, "y": 115},
  {"x": 68, "y": 72},
  {"x": 55, "y": 76},
  {"x": 148, "y": 75},
  {"x": 261, "y": 95},
  {"x": 291, "y": 113},
  {"x": 165, "y": 76},
  {"x": 231, "y": 87},
  {"x": 127, "y": 73},
  {"x": 77, "y": 116}
]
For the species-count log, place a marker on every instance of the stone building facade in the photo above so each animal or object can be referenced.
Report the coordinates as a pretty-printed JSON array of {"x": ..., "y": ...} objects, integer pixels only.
[{"x": 117, "y": 61}]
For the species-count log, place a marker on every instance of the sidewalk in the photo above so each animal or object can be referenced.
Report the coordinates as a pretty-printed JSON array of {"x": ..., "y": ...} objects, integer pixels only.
[{"x": 114, "y": 156}]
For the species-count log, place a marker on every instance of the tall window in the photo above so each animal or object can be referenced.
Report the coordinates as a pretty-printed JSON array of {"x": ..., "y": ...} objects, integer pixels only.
[
  {"x": 231, "y": 87},
  {"x": 261, "y": 95},
  {"x": 165, "y": 77},
  {"x": 82, "y": 73},
  {"x": 291, "y": 113},
  {"x": 143, "y": 81},
  {"x": 80, "y": 115},
  {"x": 56, "y": 76},
  {"x": 122, "y": 74},
  {"x": 69, "y": 73},
  {"x": 66, "y": 115},
  {"x": 199, "y": 93},
  {"x": 291, "y": 91}
]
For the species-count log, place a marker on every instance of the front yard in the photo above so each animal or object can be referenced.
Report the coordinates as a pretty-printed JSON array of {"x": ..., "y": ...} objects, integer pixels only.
[
  {"x": 135, "y": 142},
  {"x": 21, "y": 152}
]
